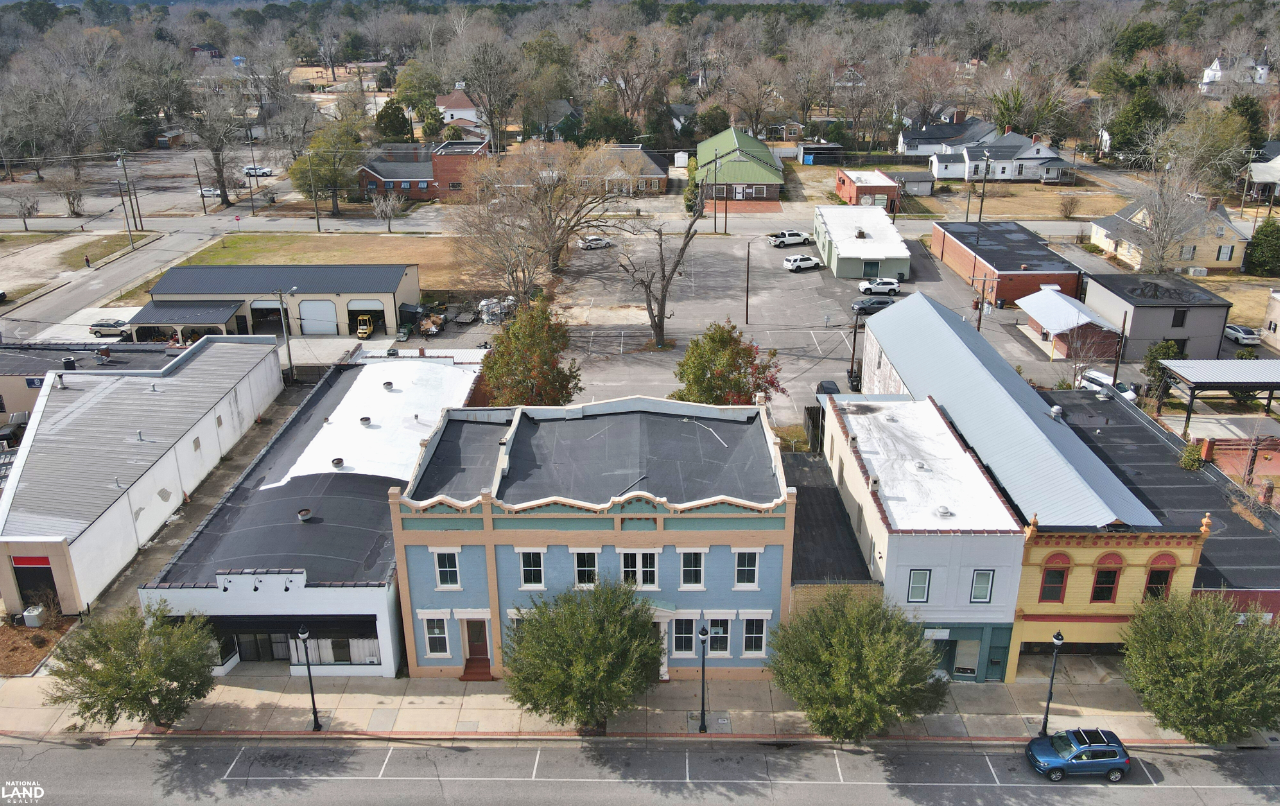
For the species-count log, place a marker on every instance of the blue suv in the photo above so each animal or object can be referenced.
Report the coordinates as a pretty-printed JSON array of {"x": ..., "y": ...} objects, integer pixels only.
[{"x": 1079, "y": 752}]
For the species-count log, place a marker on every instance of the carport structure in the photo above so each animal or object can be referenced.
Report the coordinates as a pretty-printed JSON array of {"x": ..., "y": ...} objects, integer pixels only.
[
  {"x": 205, "y": 317},
  {"x": 1224, "y": 376}
]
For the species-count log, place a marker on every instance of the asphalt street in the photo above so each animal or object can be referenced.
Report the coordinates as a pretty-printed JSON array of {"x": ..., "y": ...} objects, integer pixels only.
[{"x": 560, "y": 774}]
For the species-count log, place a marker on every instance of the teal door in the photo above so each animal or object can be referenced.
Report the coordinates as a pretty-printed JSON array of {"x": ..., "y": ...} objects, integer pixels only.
[
  {"x": 870, "y": 268},
  {"x": 996, "y": 657}
]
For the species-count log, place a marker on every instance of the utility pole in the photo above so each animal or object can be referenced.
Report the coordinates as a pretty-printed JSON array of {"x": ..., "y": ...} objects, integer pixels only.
[
  {"x": 124, "y": 208},
  {"x": 253, "y": 161},
  {"x": 746, "y": 299},
  {"x": 125, "y": 167},
  {"x": 985, "y": 170},
  {"x": 853, "y": 352},
  {"x": 1115, "y": 370},
  {"x": 968, "y": 202},
  {"x": 982, "y": 297},
  {"x": 315, "y": 202},
  {"x": 715, "y": 193},
  {"x": 284, "y": 321},
  {"x": 200, "y": 182}
]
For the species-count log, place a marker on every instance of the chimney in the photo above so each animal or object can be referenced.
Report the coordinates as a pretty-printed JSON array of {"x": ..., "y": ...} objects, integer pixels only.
[
  {"x": 1213, "y": 203},
  {"x": 1035, "y": 138},
  {"x": 1008, "y": 130},
  {"x": 958, "y": 117},
  {"x": 1206, "y": 452}
]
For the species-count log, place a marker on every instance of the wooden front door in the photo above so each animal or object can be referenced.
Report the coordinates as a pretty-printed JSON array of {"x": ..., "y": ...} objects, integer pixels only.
[{"x": 477, "y": 645}]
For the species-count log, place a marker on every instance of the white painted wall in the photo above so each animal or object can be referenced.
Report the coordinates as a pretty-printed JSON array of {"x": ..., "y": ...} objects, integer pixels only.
[
  {"x": 102, "y": 550},
  {"x": 952, "y": 559}
]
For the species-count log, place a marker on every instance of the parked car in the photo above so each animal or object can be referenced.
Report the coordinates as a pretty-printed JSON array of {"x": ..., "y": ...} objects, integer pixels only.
[
  {"x": 109, "y": 327},
  {"x": 1096, "y": 379},
  {"x": 209, "y": 193},
  {"x": 869, "y": 305},
  {"x": 250, "y": 170},
  {"x": 4, "y": 296},
  {"x": 790, "y": 237},
  {"x": 882, "y": 285},
  {"x": 11, "y": 433},
  {"x": 1242, "y": 335},
  {"x": 594, "y": 242},
  {"x": 827, "y": 388},
  {"x": 795, "y": 263},
  {"x": 1079, "y": 752}
]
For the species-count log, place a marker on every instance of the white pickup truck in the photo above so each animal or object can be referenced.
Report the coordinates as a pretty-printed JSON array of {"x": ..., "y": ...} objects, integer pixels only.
[{"x": 790, "y": 237}]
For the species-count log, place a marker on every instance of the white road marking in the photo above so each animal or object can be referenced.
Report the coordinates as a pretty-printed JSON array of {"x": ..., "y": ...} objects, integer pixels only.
[
  {"x": 815, "y": 342},
  {"x": 992, "y": 768},
  {"x": 536, "y": 759},
  {"x": 846, "y": 340},
  {"x": 836, "y": 753},
  {"x": 233, "y": 764},
  {"x": 686, "y": 766},
  {"x": 384, "y": 762},
  {"x": 1148, "y": 772}
]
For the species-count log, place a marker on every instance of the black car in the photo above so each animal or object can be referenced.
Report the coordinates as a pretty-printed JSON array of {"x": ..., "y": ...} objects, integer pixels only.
[
  {"x": 827, "y": 388},
  {"x": 11, "y": 433},
  {"x": 869, "y": 305}
]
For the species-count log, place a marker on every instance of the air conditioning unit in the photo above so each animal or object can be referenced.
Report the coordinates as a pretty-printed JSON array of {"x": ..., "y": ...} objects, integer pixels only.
[{"x": 1197, "y": 271}]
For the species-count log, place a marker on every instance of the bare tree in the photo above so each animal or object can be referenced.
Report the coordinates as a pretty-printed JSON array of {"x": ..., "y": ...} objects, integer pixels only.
[
  {"x": 70, "y": 189},
  {"x": 1068, "y": 205},
  {"x": 27, "y": 201},
  {"x": 1167, "y": 213},
  {"x": 809, "y": 71},
  {"x": 1087, "y": 345},
  {"x": 753, "y": 91},
  {"x": 329, "y": 44},
  {"x": 653, "y": 274},
  {"x": 386, "y": 205},
  {"x": 929, "y": 81},
  {"x": 633, "y": 65},
  {"x": 492, "y": 81},
  {"x": 498, "y": 244},
  {"x": 221, "y": 130}
]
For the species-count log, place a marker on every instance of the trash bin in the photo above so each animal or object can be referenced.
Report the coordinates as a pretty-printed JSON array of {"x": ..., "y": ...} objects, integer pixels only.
[
  {"x": 33, "y": 616},
  {"x": 1000, "y": 303}
]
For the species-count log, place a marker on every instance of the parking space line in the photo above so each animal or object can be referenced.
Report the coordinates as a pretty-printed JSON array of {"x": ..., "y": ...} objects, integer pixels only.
[
  {"x": 1148, "y": 772},
  {"x": 536, "y": 759},
  {"x": 233, "y": 764},
  {"x": 836, "y": 753},
  {"x": 991, "y": 767},
  {"x": 815, "y": 342},
  {"x": 846, "y": 340},
  {"x": 686, "y": 766},
  {"x": 384, "y": 762}
]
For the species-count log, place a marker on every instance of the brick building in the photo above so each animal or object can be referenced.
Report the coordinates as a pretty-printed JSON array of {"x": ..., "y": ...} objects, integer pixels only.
[
  {"x": 1076, "y": 330},
  {"x": 422, "y": 172},
  {"x": 871, "y": 188},
  {"x": 1002, "y": 260}
]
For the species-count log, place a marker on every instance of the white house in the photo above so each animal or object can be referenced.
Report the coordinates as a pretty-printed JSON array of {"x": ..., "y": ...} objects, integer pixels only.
[
  {"x": 456, "y": 106},
  {"x": 110, "y": 454},
  {"x": 935, "y": 138},
  {"x": 305, "y": 537},
  {"x": 1228, "y": 73},
  {"x": 933, "y": 526},
  {"x": 1010, "y": 158}
]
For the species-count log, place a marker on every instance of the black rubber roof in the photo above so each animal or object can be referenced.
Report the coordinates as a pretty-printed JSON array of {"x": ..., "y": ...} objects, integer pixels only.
[
  {"x": 670, "y": 456},
  {"x": 826, "y": 548},
  {"x": 1242, "y": 552},
  {"x": 1162, "y": 290},
  {"x": 186, "y": 312},
  {"x": 463, "y": 462},
  {"x": 313, "y": 279},
  {"x": 1006, "y": 246},
  {"x": 37, "y": 359}
]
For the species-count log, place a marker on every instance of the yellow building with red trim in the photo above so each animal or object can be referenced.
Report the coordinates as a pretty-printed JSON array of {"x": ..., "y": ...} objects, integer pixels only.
[{"x": 1088, "y": 584}]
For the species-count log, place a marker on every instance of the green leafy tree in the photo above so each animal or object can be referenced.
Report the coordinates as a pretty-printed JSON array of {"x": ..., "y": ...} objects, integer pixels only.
[
  {"x": 452, "y": 132},
  {"x": 1158, "y": 377},
  {"x": 1133, "y": 120},
  {"x": 331, "y": 160},
  {"x": 856, "y": 666},
  {"x": 609, "y": 127},
  {"x": 1202, "y": 671},
  {"x": 713, "y": 121},
  {"x": 432, "y": 122},
  {"x": 724, "y": 367},
  {"x": 1137, "y": 37},
  {"x": 1243, "y": 396},
  {"x": 140, "y": 665},
  {"x": 584, "y": 656},
  {"x": 392, "y": 123},
  {"x": 524, "y": 367},
  {"x": 417, "y": 86},
  {"x": 1262, "y": 256},
  {"x": 1254, "y": 116}
]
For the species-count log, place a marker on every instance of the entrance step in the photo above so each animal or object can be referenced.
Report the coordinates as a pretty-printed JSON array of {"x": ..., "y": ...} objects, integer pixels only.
[{"x": 476, "y": 669}]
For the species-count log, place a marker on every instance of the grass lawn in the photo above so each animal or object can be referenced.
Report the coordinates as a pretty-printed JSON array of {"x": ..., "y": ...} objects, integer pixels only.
[
  {"x": 1248, "y": 295},
  {"x": 96, "y": 249},
  {"x": 1031, "y": 199},
  {"x": 437, "y": 258},
  {"x": 11, "y": 242}
]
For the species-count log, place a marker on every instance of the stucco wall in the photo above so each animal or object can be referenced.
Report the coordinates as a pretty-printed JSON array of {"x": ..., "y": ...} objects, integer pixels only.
[{"x": 1148, "y": 325}]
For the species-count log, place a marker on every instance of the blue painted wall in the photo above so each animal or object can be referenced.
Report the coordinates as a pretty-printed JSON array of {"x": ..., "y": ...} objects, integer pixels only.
[{"x": 474, "y": 577}]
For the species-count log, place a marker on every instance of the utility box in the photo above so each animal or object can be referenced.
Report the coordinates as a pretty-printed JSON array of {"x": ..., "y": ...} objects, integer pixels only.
[{"x": 33, "y": 616}]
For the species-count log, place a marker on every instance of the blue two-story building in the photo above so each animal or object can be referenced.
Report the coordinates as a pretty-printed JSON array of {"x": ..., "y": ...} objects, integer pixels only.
[{"x": 687, "y": 502}]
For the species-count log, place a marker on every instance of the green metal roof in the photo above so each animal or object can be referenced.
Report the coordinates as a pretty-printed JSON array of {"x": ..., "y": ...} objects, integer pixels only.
[{"x": 743, "y": 160}]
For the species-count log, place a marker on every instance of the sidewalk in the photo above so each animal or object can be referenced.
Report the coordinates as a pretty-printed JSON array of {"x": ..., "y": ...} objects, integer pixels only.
[{"x": 263, "y": 701}]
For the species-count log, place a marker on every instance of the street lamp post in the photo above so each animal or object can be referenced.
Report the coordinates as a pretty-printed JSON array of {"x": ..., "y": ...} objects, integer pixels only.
[
  {"x": 853, "y": 352},
  {"x": 702, "y": 719},
  {"x": 303, "y": 635},
  {"x": 1057, "y": 644}
]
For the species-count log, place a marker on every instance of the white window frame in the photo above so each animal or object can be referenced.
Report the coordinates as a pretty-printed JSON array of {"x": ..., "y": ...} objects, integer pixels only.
[
  {"x": 595, "y": 566},
  {"x": 456, "y": 551},
  {"x": 693, "y": 636},
  {"x": 759, "y": 191},
  {"x": 404, "y": 185},
  {"x": 764, "y": 637},
  {"x": 639, "y": 555},
  {"x": 911, "y": 583},
  {"x": 423, "y": 185},
  {"x": 747, "y": 586},
  {"x": 702, "y": 566},
  {"x": 711, "y": 616},
  {"x": 991, "y": 584},
  {"x": 1188, "y": 252},
  {"x": 542, "y": 551},
  {"x": 1231, "y": 251},
  {"x": 435, "y": 615}
]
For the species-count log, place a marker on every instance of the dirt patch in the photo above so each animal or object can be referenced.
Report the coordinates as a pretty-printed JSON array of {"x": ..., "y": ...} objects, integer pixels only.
[
  {"x": 95, "y": 250},
  {"x": 1248, "y": 296},
  {"x": 35, "y": 262},
  {"x": 13, "y": 241},
  {"x": 437, "y": 258},
  {"x": 22, "y": 648}
]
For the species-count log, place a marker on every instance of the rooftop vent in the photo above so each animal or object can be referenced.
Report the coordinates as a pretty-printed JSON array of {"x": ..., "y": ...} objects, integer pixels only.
[
  {"x": 304, "y": 515},
  {"x": 366, "y": 421},
  {"x": 1025, "y": 267},
  {"x": 68, "y": 363},
  {"x": 889, "y": 418},
  {"x": 873, "y": 482},
  {"x": 1056, "y": 412},
  {"x": 920, "y": 465},
  {"x": 860, "y": 233},
  {"x": 388, "y": 385},
  {"x": 943, "y": 512},
  {"x": 1103, "y": 395},
  {"x": 337, "y": 462}
]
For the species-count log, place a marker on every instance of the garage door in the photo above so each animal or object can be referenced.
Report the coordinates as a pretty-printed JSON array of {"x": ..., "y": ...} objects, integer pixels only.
[
  {"x": 364, "y": 305},
  {"x": 319, "y": 317}
]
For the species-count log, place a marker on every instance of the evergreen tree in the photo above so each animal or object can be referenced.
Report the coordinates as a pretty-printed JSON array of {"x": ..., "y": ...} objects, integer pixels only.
[
  {"x": 1128, "y": 126},
  {"x": 524, "y": 367},
  {"x": 432, "y": 122},
  {"x": 417, "y": 87},
  {"x": 1158, "y": 378},
  {"x": 392, "y": 123},
  {"x": 1262, "y": 256},
  {"x": 1255, "y": 118},
  {"x": 722, "y": 368}
]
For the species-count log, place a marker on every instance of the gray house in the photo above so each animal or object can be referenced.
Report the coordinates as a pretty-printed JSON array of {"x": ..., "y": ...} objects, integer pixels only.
[{"x": 1159, "y": 307}]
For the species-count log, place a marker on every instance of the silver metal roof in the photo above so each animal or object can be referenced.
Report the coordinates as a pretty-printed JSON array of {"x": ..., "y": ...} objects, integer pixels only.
[
  {"x": 1045, "y": 468},
  {"x": 86, "y": 436},
  {"x": 1206, "y": 371}
]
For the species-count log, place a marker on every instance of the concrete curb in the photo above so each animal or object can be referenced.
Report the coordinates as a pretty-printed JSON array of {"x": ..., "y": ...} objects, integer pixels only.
[{"x": 55, "y": 285}]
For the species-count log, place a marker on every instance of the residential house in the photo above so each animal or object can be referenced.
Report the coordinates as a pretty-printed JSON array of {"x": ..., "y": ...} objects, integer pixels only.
[
  {"x": 1093, "y": 547},
  {"x": 1159, "y": 307},
  {"x": 549, "y": 119},
  {"x": 422, "y": 172},
  {"x": 640, "y": 171},
  {"x": 688, "y": 502},
  {"x": 1074, "y": 330},
  {"x": 23, "y": 367},
  {"x": 111, "y": 453},
  {"x": 304, "y": 536},
  {"x": 913, "y": 183},
  {"x": 1270, "y": 330},
  {"x": 789, "y": 130},
  {"x": 936, "y": 138},
  {"x": 317, "y": 300},
  {"x": 1210, "y": 242},
  {"x": 681, "y": 115},
  {"x": 1002, "y": 260},
  {"x": 457, "y": 106},
  {"x": 735, "y": 165},
  {"x": 1231, "y": 74},
  {"x": 861, "y": 241},
  {"x": 1009, "y": 158},
  {"x": 934, "y": 528},
  {"x": 867, "y": 187},
  {"x": 1261, "y": 178}
]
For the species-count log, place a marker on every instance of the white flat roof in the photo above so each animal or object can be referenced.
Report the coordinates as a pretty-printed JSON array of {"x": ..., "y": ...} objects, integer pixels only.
[
  {"x": 881, "y": 238},
  {"x": 872, "y": 178},
  {"x": 922, "y": 467},
  {"x": 388, "y": 446}
]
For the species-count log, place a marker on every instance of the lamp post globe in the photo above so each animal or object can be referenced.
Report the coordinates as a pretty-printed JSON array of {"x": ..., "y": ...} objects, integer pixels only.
[{"x": 702, "y": 717}]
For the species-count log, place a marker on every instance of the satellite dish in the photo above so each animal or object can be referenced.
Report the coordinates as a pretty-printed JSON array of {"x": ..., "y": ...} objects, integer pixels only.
[{"x": 866, "y": 201}]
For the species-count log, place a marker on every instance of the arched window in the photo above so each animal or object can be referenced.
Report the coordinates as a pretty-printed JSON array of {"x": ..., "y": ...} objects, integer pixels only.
[
  {"x": 1053, "y": 581},
  {"x": 1159, "y": 575},
  {"x": 1106, "y": 578}
]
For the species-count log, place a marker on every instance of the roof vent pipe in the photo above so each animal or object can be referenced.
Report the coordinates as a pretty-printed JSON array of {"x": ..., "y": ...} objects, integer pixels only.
[
  {"x": 1025, "y": 267},
  {"x": 140, "y": 435},
  {"x": 58, "y": 383},
  {"x": 68, "y": 363},
  {"x": 943, "y": 512},
  {"x": 1056, "y": 412},
  {"x": 387, "y": 385},
  {"x": 337, "y": 462},
  {"x": 366, "y": 421}
]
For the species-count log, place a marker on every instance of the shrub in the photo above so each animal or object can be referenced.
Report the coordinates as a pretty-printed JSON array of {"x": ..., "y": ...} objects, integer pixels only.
[{"x": 1190, "y": 459}]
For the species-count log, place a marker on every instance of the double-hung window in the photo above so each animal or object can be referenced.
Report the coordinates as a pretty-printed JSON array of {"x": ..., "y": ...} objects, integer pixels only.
[
  {"x": 918, "y": 586},
  {"x": 404, "y": 185},
  {"x": 1104, "y": 585},
  {"x": 752, "y": 636},
  {"x": 718, "y": 641},
  {"x": 683, "y": 637},
  {"x": 691, "y": 570},
  {"x": 1225, "y": 252},
  {"x": 531, "y": 570},
  {"x": 1188, "y": 252},
  {"x": 437, "y": 638},
  {"x": 640, "y": 568},
  {"x": 746, "y": 571},
  {"x": 447, "y": 570},
  {"x": 980, "y": 591},
  {"x": 584, "y": 568}
]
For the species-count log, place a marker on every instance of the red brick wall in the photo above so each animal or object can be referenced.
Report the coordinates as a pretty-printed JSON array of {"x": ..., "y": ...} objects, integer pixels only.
[
  {"x": 1095, "y": 343},
  {"x": 413, "y": 191},
  {"x": 1011, "y": 285},
  {"x": 453, "y": 168}
]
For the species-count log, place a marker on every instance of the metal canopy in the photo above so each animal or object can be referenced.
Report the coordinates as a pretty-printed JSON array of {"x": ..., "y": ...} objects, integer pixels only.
[{"x": 1207, "y": 375}]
